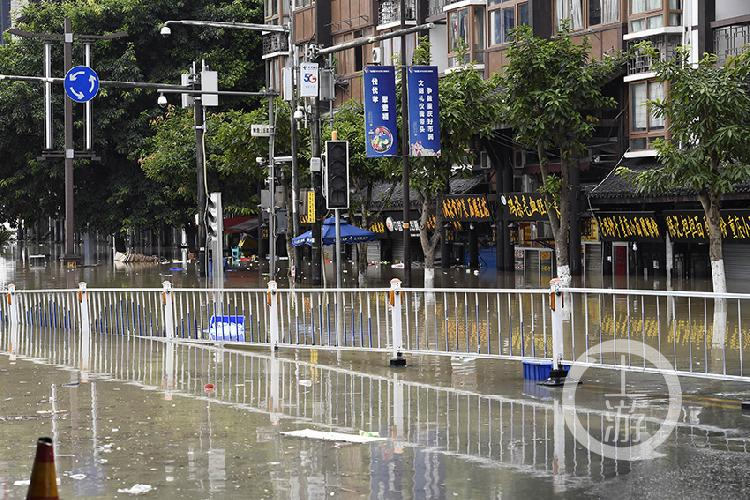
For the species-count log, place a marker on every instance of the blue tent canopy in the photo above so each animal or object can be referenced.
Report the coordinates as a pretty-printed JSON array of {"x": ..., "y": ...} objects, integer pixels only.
[{"x": 349, "y": 234}]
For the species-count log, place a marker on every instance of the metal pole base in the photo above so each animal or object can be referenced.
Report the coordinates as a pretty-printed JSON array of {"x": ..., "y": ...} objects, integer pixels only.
[
  {"x": 399, "y": 360},
  {"x": 556, "y": 379}
]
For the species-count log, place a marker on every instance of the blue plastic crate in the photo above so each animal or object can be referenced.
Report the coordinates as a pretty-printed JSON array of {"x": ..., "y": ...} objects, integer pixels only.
[
  {"x": 227, "y": 328},
  {"x": 539, "y": 369}
]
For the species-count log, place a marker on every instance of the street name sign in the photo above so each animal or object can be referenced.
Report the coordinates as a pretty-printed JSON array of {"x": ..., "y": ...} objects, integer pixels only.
[
  {"x": 81, "y": 84},
  {"x": 261, "y": 130}
]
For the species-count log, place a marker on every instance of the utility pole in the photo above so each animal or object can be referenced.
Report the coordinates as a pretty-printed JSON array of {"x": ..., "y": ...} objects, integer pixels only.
[
  {"x": 295, "y": 165},
  {"x": 70, "y": 226},
  {"x": 405, "y": 154},
  {"x": 317, "y": 182},
  {"x": 271, "y": 181},
  {"x": 199, "y": 114}
]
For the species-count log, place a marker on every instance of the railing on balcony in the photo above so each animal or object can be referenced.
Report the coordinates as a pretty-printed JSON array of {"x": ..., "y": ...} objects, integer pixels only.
[
  {"x": 275, "y": 42},
  {"x": 389, "y": 11},
  {"x": 665, "y": 45},
  {"x": 435, "y": 8},
  {"x": 731, "y": 41}
]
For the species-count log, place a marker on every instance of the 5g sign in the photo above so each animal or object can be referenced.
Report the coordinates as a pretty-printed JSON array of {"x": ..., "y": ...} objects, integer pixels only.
[{"x": 309, "y": 80}]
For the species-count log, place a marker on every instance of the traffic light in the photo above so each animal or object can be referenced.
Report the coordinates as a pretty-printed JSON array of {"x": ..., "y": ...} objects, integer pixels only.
[
  {"x": 214, "y": 221},
  {"x": 337, "y": 174}
]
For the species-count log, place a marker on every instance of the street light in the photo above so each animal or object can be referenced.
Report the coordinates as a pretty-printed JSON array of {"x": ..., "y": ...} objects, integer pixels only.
[{"x": 166, "y": 31}]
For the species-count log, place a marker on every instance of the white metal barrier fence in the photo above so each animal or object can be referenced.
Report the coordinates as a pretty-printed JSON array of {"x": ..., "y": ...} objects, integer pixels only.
[{"x": 699, "y": 333}]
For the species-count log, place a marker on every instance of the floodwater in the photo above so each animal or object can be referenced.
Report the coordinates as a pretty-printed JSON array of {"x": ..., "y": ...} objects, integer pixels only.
[
  {"x": 174, "y": 419},
  {"x": 17, "y": 267}
]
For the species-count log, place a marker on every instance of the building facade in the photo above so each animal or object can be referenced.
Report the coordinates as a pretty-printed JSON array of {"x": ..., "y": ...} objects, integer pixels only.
[{"x": 613, "y": 251}]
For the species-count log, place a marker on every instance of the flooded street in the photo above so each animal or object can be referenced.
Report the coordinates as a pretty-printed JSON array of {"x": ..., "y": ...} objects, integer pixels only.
[{"x": 190, "y": 420}]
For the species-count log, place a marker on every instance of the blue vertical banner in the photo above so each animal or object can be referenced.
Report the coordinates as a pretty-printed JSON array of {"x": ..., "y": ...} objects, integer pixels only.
[
  {"x": 424, "y": 119},
  {"x": 381, "y": 135}
]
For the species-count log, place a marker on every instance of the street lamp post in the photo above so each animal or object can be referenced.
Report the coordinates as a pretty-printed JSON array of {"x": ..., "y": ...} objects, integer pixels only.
[
  {"x": 405, "y": 155},
  {"x": 166, "y": 30}
]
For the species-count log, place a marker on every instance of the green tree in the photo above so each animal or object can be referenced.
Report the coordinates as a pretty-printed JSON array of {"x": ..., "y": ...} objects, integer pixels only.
[
  {"x": 364, "y": 173},
  {"x": 115, "y": 192},
  {"x": 553, "y": 90},
  {"x": 707, "y": 109},
  {"x": 469, "y": 107}
]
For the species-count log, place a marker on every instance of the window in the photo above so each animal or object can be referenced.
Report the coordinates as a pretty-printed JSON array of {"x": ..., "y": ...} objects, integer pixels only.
[
  {"x": 503, "y": 20},
  {"x": 358, "y": 58},
  {"x": 596, "y": 12},
  {"x": 639, "y": 6},
  {"x": 653, "y": 14},
  {"x": 459, "y": 29},
  {"x": 466, "y": 33},
  {"x": 572, "y": 10},
  {"x": 298, "y": 4},
  {"x": 523, "y": 13},
  {"x": 645, "y": 126}
]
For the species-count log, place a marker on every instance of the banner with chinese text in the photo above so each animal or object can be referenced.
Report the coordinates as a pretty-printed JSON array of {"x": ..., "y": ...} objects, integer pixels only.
[
  {"x": 629, "y": 227},
  {"x": 381, "y": 134},
  {"x": 691, "y": 226},
  {"x": 524, "y": 206},
  {"x": 424, "y": 122},
  {"x": 466, "y": 208}
]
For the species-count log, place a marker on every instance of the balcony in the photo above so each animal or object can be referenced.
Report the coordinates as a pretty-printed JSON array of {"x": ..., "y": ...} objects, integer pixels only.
[
  {"x": 731, "y": 41},
  {"x": 641, "y": 64},
  {"x": 275, "y": 44},
  {"x": 389, "y": 13}
]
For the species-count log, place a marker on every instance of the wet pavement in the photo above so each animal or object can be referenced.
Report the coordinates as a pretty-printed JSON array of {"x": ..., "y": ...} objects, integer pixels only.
[{"x": 190, "y": 420}]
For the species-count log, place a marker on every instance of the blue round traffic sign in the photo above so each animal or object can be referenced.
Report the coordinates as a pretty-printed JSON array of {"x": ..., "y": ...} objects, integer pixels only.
[{"x": 81, "y": 84}]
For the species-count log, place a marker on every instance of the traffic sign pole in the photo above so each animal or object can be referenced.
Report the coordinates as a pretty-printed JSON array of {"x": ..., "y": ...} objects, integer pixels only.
[{"x": 70, "y": 226}]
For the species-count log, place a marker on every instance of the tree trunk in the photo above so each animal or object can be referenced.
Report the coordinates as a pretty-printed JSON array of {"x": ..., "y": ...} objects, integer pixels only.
[
  {"x": 712, "y": 208},
  {"x": 560, "y": 224},
  {"x": 362, "y": 264},
  {"x": 562, "y": 240},
  {"x": 429, "y": 243}
]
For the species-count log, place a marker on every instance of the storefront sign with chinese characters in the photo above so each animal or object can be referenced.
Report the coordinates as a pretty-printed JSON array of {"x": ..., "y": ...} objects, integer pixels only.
[
  {"x": 381, "y": 137},
  {"x": 469, "y": 208},
  {"x": 524, "y": 206},
  {"x": 629, "y": 227},
  {"x": 687, "y": 226}
]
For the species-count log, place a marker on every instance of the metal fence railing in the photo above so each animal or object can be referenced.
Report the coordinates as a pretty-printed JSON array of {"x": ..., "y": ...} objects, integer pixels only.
[{"x": 698, "y": 333}]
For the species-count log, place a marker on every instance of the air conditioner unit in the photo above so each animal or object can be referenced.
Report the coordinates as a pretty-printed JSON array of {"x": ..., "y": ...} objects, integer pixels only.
[{"x": 377, "y": 55}]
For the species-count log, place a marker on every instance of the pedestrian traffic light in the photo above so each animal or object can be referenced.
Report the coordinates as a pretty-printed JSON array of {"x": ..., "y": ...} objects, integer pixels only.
[{"x": 337, "y": 174}]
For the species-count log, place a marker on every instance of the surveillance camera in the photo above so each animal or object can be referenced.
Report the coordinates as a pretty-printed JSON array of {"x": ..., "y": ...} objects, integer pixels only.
[
  {"x": 259, "y": 160},
  {"x": 162, "y": 100},
  {"x": 298, "y": 113},
  {"x": 166, "y": 30}
]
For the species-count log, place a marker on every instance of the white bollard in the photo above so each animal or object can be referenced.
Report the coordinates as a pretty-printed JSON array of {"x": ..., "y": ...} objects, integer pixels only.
[
  {"x": 167, "y": 297},
  {"x": 395, "y": 299},
  {"x": 272, "y": 297},
  {"x": 556, "y": 305},
  {"x": 83, "y": 305},
  {"x": 13, "y": 318}
]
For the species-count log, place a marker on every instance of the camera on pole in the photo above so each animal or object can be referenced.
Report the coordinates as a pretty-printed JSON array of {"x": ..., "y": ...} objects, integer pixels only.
[{"x": 337, "y": 174}]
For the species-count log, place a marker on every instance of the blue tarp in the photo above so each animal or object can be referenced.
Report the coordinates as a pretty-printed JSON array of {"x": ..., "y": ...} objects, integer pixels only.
[{"x": 349, "y": 234}]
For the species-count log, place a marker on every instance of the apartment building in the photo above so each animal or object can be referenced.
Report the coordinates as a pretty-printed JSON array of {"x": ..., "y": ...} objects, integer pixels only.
[{"x": 625, "y": 134}]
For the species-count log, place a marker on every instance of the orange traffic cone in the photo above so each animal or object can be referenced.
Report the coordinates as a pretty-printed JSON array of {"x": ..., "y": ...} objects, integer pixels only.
[{"x": 43, "y": 484}]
